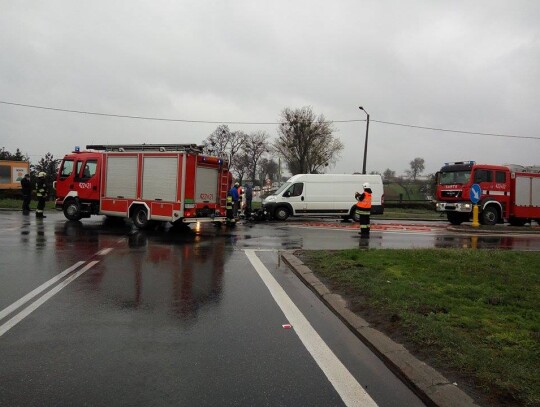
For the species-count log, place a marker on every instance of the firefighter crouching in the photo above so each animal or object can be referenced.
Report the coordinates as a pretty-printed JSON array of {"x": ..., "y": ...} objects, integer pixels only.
[
  {"x": 363, "y": 209},
  {"x": 41, "y": 193}
]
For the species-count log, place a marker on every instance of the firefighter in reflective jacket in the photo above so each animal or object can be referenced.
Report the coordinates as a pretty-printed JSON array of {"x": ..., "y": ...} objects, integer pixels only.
[
  {"x": 363, "y": 209},
  {"x": 229, "y": 208},
  {"x": 41, "y": 193}
]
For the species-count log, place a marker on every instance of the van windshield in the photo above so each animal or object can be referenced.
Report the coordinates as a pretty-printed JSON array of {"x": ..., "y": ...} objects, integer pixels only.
[{"x": 282, "y": 188}]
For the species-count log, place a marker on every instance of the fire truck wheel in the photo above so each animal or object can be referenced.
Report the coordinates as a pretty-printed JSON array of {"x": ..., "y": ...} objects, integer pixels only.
[
  {"x": 281, "y": 213},
  {"x": 140, "y": 218},
  {"x": 72, "y": 210},
  {"x": 490, "y": 216}
]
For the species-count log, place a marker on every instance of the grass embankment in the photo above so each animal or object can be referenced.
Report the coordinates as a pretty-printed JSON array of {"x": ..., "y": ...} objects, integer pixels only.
[
  {"x": 409, "y": 213},
  {"x": 472, "y": 314},
  {"x": 17, "y": 204}
]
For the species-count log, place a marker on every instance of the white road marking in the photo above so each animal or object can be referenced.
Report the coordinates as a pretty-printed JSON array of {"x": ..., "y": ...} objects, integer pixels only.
[
  {"x": 104, "y": 252},
  {"x": 40, "y": 301},
  {"x": 35, "y": 292},
  {"x": 350, "y": 391}
]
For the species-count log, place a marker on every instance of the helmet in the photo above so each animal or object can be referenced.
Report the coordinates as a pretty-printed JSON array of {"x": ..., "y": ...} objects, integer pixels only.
[
  {"x": 236, "y": 184},
  {"x": 41, "y": 174},
  {"x": 366, "y": 185}
]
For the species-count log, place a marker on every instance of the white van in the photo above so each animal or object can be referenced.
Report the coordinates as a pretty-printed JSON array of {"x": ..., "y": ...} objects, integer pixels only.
[{"x": 323, "y": 195}]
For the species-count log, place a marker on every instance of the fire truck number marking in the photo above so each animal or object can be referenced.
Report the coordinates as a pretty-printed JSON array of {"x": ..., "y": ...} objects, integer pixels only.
[
  {"x": 85, "y": 185},
  {"x": 207, "y": 197}
]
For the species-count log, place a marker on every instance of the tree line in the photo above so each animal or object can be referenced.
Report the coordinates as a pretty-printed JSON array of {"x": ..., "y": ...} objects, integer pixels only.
[{"x": 305, "y": 144}]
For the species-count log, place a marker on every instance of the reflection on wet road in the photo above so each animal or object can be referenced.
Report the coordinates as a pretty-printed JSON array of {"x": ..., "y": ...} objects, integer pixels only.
[{"x": 180, "y": 316}]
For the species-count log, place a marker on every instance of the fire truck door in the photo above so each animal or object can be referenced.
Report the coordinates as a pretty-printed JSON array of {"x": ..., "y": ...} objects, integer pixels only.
[{"x": 87, "y": 179}]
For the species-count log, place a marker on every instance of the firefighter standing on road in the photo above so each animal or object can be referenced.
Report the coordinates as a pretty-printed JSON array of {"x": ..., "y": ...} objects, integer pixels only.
[
  {"x": 235, "y": 199},
  {"x": 41, "y": 193},
  {"x": 363, "y": 209},
  {"x": 26, "y": 186},
  {"x": 249, "y": 198}
]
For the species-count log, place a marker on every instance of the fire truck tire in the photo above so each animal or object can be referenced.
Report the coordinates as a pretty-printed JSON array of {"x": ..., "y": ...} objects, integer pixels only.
[
  {"x": 140, "y": 218},
  {"x": 489, "y": 216},
  {"x": 281, "y": 213},
  {"x": 72, "y": 210}
]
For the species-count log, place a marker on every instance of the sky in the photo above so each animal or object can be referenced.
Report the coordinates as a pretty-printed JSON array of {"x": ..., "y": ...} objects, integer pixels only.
[{"x": 469, "y": 66}]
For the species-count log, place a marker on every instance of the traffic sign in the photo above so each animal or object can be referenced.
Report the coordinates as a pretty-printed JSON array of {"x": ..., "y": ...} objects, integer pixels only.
[{"x": 476, "y": 193}]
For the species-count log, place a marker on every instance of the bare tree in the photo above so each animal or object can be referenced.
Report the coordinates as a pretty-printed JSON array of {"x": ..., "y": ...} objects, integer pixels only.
[
  {"x": 417, "y": 167},
  {"x": 242, "y": 166},
  {"x": 256, "y": 145},
  {"x": 225, "y": 143},
  {"x": 389, "y": 175},
  {"x": 268, "y": 168},
  {"x": 306, "y": 142}
]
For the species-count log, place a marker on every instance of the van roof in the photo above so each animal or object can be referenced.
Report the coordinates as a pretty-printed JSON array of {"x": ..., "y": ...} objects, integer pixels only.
[{"x": 335, "y": 177}]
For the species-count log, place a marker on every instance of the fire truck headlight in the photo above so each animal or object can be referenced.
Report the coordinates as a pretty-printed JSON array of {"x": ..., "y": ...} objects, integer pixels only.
[{"x": 467, "y": 206}]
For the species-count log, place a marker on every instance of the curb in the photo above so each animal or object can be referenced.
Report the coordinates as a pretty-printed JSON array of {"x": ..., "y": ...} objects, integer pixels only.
[
  {"x": 522, "y": 230},
  {"x": 432, "y": 387}
]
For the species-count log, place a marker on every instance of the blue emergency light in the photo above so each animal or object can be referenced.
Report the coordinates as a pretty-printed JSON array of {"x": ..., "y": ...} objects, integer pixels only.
[{"x": 77, "y": 149}]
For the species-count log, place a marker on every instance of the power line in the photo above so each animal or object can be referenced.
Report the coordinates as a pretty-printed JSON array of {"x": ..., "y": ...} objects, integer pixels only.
[{"x": 257, "y": 123}]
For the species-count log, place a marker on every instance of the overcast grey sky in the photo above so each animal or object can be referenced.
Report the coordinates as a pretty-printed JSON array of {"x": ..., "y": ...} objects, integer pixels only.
[{"x": 458, "y": 65}]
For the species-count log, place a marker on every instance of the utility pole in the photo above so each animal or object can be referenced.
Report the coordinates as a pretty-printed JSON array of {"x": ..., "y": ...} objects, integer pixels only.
[{"x": 365, "y": 143}]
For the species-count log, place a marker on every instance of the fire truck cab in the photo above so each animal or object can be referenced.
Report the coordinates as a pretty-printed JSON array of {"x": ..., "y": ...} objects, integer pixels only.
[
  {"x": 146, "y": 183},
  {"x": 508, "y": 192}
]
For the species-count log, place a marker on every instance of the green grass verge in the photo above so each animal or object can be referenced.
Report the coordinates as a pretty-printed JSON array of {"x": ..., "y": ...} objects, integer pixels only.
[
  {"x": 475, "y": 314},
  {"x": 408, "y": 213},
  {"x": 17, "y": 204}
]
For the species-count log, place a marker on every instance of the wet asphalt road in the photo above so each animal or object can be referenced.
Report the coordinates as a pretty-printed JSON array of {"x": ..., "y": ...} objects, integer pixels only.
[{"x": 176, "y": 317}]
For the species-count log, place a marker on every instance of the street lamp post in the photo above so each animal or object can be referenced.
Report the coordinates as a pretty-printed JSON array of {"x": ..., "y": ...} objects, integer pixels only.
[{"x": 365, "y": 144}]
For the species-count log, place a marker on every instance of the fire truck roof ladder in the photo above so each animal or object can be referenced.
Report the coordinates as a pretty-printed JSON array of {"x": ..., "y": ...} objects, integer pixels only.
[{"x": 194, "y": 148}]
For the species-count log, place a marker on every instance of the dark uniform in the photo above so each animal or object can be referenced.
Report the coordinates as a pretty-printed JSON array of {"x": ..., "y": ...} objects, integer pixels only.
[
  {"x": 249, "y": 198},
  {"x": 41, "y": 193},
  {"x": 26, "y": 186},
  {"x": 363, "y": 209}
]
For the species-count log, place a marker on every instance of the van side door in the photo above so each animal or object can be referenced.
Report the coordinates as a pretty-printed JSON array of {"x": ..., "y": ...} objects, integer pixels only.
[{"x": 295, "y": 196}]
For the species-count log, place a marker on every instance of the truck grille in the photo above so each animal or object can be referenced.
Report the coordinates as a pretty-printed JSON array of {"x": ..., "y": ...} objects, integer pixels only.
[{"x": 451, "y": 194}]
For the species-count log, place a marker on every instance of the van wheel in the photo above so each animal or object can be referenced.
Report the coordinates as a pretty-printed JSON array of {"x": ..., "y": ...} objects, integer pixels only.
[
  {"x": 140, "y": 218},
  {"x": 72, "y": 210},
  {"x": 281, "y": 213}
]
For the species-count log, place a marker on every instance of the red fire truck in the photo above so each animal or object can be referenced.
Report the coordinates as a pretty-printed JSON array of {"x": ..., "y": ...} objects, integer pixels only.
[
  {"x": 508, "y": 192},
  {"x": 147, "y": 183}
]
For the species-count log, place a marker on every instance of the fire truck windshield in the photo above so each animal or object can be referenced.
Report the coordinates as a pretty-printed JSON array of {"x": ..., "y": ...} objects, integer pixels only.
[{"x": 454, "y": 177}]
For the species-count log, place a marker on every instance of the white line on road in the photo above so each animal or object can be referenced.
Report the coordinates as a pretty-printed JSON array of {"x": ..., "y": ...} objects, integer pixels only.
[
  {"x": 35, "y": 292},
  {"x": 40, "y": 301},
  {"x": 350, "y": 391},
  {"x": 104, "y": 252}
]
